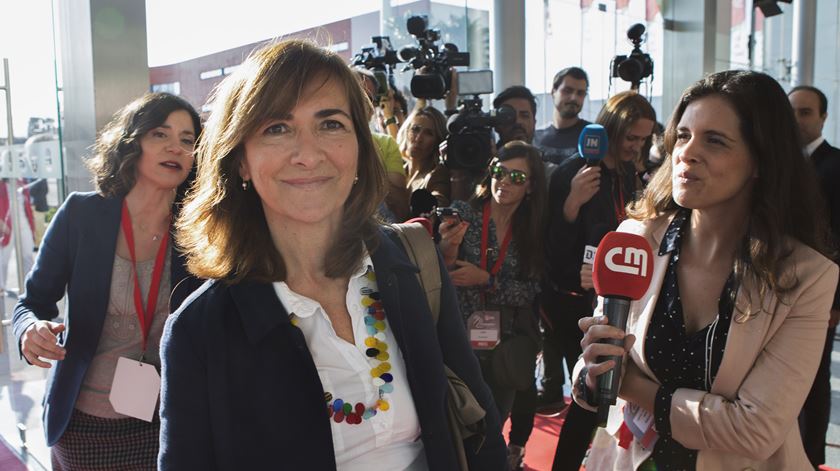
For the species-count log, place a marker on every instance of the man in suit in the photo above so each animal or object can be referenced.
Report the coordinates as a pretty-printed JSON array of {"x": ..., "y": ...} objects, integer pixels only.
[{"x": 811, "y": 109}]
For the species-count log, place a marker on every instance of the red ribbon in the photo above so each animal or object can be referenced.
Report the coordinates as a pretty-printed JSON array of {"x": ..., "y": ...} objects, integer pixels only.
[
  {"x": 484, "y": 235},
  {"x": 145, "y": 316}
]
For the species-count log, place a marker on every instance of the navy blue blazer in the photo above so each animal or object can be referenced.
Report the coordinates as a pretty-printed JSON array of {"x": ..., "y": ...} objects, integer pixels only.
[
  {"x": 77, "y": 256},
  {"x": 241, "y": 391}
]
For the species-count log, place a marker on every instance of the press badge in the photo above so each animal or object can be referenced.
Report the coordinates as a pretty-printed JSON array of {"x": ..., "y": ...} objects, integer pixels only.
[
  {"x": 135, "y": 389},
  {"x": 484, "y": 329},
  {"x": 640, "y": 423}
]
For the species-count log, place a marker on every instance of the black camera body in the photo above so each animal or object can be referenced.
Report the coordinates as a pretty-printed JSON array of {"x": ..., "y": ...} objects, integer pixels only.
[
  {"x": 431, "y": 64},
  {"x": 636, "y": 66},
  {"x": 380, "y": 58},
  {"x": 470, "y": 134}
]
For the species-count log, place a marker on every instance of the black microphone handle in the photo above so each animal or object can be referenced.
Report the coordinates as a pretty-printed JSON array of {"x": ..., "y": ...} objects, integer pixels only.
[{"x": 616, "y": 309}]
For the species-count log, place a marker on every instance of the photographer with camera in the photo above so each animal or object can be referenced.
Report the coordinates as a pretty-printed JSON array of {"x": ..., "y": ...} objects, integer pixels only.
[
  {"x": 587, "y": 199},
  {"x": 559, "y": 140},
  {"x": 497, "y": 267}
]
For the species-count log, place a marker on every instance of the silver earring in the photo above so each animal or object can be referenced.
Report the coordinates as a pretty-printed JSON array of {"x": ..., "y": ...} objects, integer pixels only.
[
  {"x": 244, "y": 185},
  {"x": 356, "y": 180}
]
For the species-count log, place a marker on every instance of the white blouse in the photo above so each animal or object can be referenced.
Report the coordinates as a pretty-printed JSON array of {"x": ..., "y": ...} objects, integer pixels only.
[{"x": 390, "y": 439}]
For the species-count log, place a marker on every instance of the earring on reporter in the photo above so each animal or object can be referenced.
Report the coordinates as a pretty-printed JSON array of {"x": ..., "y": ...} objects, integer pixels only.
[
  {"x": 244, "y": 185},
  {"x": 356, "y": 180}
]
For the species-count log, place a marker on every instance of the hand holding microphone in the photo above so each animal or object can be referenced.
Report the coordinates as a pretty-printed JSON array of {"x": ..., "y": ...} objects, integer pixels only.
[
  {"x": 592, "y": 147},
  {"x": 621, "y": 274}
]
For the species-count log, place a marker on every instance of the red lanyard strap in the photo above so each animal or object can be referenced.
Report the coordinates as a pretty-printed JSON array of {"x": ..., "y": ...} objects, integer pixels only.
[
  {"x": 145, "y": 316},
  {"x": 618, "y": 203},
  {"x": 484, "y": 236}
]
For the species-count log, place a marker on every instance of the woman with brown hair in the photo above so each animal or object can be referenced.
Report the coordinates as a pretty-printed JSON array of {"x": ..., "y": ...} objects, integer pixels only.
[
  {"x": 497, "y": 255},
  {"x": 729, "y": 334},
  {"x": 419, "y": 139},
  {"x": 110, "y": 252},
  {"x": 312, "y": 345}
]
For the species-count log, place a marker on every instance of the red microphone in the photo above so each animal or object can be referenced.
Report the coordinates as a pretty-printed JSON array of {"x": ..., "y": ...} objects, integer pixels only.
[{"x": 622, "y": 273}]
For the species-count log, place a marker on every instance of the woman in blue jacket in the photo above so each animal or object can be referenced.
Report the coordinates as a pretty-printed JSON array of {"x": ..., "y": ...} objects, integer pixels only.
[
  {"x": 312, "y": 346},
  {"x": 110, "y": 251}
]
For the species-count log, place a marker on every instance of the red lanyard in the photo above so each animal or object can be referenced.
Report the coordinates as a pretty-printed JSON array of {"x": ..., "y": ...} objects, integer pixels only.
[
  {"x": 484, "y": 235},
  {"x": 144, "y": 316},
  {"x": 619, "y": 206}
]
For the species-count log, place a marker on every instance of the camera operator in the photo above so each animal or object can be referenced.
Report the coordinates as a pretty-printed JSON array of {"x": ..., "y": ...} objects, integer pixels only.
[
  {"x": 559, "y": 140},
  {"x": 585, "y": 203},
  {"x": 397, "y": 198},
  {"x": 523, "y": 102}
]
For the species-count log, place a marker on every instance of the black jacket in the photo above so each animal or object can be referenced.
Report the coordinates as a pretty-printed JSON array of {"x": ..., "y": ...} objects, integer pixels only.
[
  {"x": 77, "y": 257},
  {"x": 566, "y": 240},
  {"x": 826, "y": 159},
  {"x": 241, "y": 391}
]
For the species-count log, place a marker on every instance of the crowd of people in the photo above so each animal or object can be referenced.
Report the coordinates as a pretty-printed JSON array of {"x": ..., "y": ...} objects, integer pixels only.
[{"x": 251, "y": 261}]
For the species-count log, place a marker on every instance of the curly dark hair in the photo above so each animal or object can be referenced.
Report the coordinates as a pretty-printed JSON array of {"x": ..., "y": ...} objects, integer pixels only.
[{"x": 117, "y": 150}]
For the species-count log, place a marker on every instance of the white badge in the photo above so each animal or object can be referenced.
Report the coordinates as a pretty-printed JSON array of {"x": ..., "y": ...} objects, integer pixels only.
[
  {"x": 640, "y": 422},
  {"x": 484, "y": 328},
  {"x": 135, "y": 389}
]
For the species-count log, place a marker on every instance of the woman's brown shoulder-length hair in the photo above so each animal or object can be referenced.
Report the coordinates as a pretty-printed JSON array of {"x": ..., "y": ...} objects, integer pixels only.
[
  {"x": 222, "y": 228},
  {"x": 117, "y": 151},
  {"x": 785, "y": 203}
]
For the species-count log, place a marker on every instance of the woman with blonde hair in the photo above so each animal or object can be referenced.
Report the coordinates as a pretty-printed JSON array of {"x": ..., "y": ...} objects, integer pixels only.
[
  {"x": 312, "y": 346},
  {"x": 724, "y": 345},
  {"x": 419, "y": 139}
]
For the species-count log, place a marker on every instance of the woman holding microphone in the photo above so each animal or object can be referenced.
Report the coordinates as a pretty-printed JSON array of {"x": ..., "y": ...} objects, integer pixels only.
[{"x": 734, "y": 212}]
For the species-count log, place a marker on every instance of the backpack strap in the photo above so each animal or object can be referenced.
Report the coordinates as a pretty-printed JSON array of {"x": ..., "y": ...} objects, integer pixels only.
[{"x": 421, "y": 251}]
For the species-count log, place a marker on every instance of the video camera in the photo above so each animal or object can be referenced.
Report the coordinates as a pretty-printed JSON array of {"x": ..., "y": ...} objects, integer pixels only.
[
  {"x": 638, "y": 65},
  {"x": 431, "y": 64},
  {"x": 470, "y": 129},
  {"x": 380, "y": 58}
]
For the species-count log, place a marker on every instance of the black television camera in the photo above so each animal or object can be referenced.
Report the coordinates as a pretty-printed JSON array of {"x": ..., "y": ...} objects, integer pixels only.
[
  {"x": 431, "y": 64},
  {"x": 638, "y": 65},
  {"x": 470, "y": 134},
  {"x": 380, "y": 58}
]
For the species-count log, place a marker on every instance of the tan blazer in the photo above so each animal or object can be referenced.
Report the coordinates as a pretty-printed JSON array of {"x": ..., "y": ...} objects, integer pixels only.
[{"x": 749, "y": 419}]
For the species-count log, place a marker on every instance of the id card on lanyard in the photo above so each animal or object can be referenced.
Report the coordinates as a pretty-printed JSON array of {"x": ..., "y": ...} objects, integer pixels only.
[
  {"x": 485, "y": 326},
  {"x": 136, "y": 385}
]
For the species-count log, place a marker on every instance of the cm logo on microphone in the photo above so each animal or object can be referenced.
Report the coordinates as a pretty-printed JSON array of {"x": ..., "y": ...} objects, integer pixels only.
[{"x": 635, "y": 261}]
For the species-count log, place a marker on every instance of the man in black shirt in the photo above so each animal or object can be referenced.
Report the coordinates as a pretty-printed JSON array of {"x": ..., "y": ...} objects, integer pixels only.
[
  {"x": 559, "y": 140},
  {"x": 810, "y": 107}
]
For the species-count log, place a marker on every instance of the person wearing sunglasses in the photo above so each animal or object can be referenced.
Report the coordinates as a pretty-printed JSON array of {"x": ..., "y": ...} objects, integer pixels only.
[{"x": 497, "y": 256}]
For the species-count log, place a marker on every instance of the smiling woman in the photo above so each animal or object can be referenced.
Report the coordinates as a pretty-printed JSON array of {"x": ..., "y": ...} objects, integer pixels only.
[{"x": 312, "y": 345}]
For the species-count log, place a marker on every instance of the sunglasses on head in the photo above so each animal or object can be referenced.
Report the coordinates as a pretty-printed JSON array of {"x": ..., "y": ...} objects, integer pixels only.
[{"x": 517, "y": 177}]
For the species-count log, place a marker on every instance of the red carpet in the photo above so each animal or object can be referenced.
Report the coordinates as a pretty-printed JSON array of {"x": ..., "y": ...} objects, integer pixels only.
[
  {"x": 8, "y": 460},
  {"x": 539, "y": 451}
]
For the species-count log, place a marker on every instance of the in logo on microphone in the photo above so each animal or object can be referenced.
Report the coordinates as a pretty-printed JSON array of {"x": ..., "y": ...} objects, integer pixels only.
[
  {"x": 635, "y": 260},
  {"x": 592, "y": 144}
]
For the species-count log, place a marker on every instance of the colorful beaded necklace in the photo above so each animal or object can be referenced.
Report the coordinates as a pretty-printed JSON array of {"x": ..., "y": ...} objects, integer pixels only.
[{"x": 377, "y": 350}]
